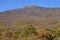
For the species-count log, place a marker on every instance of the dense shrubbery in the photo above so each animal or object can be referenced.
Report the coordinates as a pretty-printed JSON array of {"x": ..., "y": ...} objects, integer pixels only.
[{"x": 29, "y": 32}]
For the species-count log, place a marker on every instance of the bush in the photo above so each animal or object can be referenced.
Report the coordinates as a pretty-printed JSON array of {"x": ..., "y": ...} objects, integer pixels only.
[
  {"x": 46, "y": 34},
  {"x": 28, "y": 30}
]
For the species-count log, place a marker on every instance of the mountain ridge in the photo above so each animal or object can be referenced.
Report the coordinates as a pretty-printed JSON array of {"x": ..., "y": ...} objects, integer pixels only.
[
  {"x": 30, "y": 13},
  {"x": 31, "y": 7}
]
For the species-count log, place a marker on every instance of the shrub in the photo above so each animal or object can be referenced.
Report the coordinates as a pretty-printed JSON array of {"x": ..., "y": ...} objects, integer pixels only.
[
  {"x": 46, "y": 34},
  {"x": 28, "y": 30}
]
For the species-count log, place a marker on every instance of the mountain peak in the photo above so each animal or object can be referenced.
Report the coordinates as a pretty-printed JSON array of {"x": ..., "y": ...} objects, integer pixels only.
[{"x": 32, "y": 6}]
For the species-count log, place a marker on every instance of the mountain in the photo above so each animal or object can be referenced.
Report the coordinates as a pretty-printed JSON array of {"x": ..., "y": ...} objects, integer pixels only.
[{"x": 30, "y": 15}]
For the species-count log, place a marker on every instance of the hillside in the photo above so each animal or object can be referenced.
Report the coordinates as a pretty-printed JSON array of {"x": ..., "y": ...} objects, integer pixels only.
[{"x": 31, "y": 15}]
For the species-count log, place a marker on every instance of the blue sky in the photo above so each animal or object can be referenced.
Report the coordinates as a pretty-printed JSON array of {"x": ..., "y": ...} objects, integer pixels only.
[{"x": 13, "y": 4}]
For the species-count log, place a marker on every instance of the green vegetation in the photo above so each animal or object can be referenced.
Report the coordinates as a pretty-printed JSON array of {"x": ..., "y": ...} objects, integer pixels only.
[{"x": 30, "y": 32}]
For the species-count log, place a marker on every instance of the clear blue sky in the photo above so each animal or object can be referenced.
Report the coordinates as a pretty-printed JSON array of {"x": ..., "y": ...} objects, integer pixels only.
[{"x": 13, "y": 4}]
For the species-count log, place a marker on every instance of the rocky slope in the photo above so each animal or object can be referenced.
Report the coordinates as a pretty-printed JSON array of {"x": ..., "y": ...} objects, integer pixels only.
[{"x": 30, "y": 15}]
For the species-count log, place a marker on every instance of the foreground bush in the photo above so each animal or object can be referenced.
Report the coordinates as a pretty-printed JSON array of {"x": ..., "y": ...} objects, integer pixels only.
[
  {"x": 29, "y": 33},
  {"x": 46, "y": 34}
]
